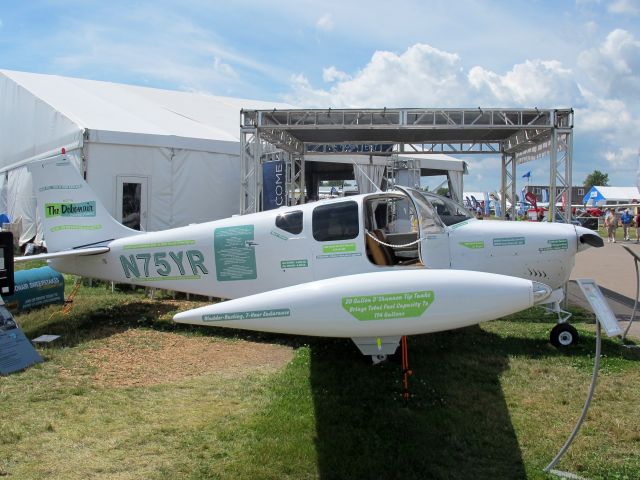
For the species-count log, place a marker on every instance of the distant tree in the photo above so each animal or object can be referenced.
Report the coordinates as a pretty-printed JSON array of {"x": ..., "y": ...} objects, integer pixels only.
[
  {"x": 596, "y": 178},
  {"x": 444, "y": 191}
]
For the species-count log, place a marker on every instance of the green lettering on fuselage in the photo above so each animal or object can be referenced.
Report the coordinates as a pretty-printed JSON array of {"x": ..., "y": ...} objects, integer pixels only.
[
  {"x": 177, "y": 257},
  {"x": 129, "y": 266},
  {"x": 196, "y": 260},
  {"x": 164, "y": 264}
]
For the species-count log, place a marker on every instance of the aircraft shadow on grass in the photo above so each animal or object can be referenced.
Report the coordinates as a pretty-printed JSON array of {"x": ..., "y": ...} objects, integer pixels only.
[{"x": 456, "y": 425}]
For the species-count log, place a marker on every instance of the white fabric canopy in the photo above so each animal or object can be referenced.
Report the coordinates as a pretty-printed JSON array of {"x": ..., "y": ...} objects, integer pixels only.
[
  {"x": 21, "y": 202},
  {"x": 183, "y": 146},
  {"x": 455, "y": 185},
  {"x": 368, "y": 177}
]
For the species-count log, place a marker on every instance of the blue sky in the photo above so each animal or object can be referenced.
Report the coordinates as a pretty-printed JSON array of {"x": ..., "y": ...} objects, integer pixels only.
[{"x": 583, "y": 54}]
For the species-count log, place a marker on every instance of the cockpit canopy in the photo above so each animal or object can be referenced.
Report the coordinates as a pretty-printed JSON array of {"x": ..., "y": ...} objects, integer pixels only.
[
  {"x": 406, "y": 209},
  {"x": 448, "y": 211},
  {"x": 397, "y": 220}
]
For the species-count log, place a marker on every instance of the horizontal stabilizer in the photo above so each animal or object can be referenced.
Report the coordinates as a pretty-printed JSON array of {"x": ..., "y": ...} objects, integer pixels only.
[{"x": 65, "y": 253}]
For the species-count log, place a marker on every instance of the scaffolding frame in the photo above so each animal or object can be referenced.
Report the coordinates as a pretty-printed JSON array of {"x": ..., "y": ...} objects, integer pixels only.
[{"x": 518, "y": 135}]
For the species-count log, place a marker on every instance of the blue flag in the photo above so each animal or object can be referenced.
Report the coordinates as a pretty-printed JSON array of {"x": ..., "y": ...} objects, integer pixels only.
[{"x": 527, "y": 175}]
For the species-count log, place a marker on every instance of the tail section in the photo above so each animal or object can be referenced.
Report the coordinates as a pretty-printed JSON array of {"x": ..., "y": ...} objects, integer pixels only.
[{"x": 72, "y": 216}]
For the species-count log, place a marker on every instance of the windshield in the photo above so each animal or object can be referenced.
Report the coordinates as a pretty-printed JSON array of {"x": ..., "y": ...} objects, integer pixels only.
[
  {"x": 427, "y": 216},
  {"x": 448, "y": 211}
]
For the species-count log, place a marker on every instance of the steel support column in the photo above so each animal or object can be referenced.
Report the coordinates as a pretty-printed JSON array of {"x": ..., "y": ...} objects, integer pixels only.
[
  {"x": 505, "y": 184},
  {"x": 295, "y": 178},
  {"x": 564, "y": 173},
  {"x": 553, "y": 177},
  {"x": 508, "y": 185},
  {"x": 513, "y": 187},
  {"x": 249, "y": 170}
]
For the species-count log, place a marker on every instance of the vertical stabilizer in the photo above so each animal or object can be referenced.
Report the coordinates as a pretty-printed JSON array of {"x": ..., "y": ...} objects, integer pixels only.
[{"x": 72, "y": 216}]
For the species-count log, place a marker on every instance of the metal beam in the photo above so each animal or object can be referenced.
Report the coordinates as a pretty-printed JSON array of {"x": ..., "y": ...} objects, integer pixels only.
[
  {"x": 518, "y": 135},
  {"x": 508, "y": 118}
]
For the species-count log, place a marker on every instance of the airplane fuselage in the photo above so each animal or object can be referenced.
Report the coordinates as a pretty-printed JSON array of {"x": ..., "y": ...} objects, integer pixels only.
[{"x": 248, "y": 254}]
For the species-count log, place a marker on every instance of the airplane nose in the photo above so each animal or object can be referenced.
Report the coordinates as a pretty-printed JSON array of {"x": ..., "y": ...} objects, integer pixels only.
[
  {"x": 588, "y": 238},
  {"x": 540, "y": 292}
]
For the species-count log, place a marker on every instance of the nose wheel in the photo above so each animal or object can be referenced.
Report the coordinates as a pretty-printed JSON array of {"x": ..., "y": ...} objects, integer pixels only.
[{"x": 563, "y": 335}]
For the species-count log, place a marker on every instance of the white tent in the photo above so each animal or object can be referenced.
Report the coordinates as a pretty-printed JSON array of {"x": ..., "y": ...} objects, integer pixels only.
[
  {"x": 611, "y": 195},
  {"x": 156, "y": 158},
  {"x": 370, "y": 169}
]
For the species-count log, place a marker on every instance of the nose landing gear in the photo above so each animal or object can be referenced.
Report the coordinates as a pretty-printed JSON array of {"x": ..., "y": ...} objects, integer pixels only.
[{"x": 563, "y": 335}]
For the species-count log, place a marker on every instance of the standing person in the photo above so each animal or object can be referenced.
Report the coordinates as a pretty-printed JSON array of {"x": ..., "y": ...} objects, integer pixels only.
[
  {"x": 611, "y": 223},
  {"x": 625, "y": 219},
  {"x": 637, "y": 220}
]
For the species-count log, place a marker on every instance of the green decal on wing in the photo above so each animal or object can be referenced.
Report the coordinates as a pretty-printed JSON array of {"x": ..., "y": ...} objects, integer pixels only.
[
  {"x": 254, "y": 314},
  {"x": 389, "y": 305}
]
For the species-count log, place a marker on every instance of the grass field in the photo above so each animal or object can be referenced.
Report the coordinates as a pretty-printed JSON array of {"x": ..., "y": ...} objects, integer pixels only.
[{"x": 127, "y": 394}]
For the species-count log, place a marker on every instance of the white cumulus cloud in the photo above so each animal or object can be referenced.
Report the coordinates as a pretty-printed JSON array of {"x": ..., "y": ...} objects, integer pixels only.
[
  {"x": 614, "y": 66},
  {"x": 422, "y": 75},
  {"x": 621, "y": 157},
  {"x": 541, "y": 83},
  {"x": 332, "y": 74},
  {"x": 426, "y": 76}
]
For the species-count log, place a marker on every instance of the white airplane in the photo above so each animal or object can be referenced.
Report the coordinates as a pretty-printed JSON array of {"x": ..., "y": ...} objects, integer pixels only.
[{"x": 371, "y": 267}]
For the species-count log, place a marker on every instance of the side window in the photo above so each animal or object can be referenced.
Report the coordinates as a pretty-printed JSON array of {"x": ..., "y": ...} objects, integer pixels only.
[
  {"x": 338, "y": 221},
  {"x": 290, "y": 222}
]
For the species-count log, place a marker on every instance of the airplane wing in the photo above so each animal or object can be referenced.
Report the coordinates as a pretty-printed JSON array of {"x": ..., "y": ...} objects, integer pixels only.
[
  {"x": 384, "y": 303},
  {"x": 63, "y": 253}
]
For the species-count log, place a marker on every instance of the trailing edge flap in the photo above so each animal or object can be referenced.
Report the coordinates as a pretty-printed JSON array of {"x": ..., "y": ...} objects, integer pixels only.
[{"x": 65, "y": 253}]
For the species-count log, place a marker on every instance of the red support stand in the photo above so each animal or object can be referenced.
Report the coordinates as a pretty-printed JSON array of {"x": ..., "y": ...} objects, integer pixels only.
[{"x": 406, "y": 371}]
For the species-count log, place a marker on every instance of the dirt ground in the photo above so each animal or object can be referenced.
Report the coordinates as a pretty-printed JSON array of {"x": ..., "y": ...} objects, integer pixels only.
[{"x": 141, "y": 357}]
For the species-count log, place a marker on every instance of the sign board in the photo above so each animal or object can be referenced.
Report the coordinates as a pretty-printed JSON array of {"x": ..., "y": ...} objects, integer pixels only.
[
  {"x": 34, "y": 288},
  {"x": 16, "y": 351},
  {"x": 600, "y": 307},
  {"x": 274, "y": 188}
]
